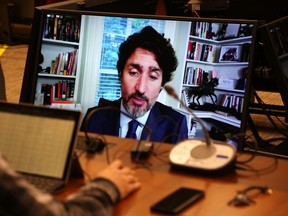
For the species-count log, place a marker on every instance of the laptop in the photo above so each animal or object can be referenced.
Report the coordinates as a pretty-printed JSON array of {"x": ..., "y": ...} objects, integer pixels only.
[{"x": 39, "y": 142}]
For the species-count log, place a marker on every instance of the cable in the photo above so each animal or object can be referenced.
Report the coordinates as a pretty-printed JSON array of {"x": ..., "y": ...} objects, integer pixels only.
[
  {"x": 246, "y": 167},
  {"x": 262, "y": 104},
  {"x": 141, "y": 151},
  {"x": 242, "y": 198}
]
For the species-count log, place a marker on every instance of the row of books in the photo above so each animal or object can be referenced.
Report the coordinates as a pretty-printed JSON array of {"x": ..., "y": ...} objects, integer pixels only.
[
  {"x": 59, "y": 91},
  {"x": 59, "y": 27},
  {"x": 205, "y": 30},
  {"x": 65, "y": 63},
  {"x": 220, "y": 31},
  {"x": 232, "y": 101},
  {"x": 201, "y": 52},
  {"x": 211, "y": 53},
  {"x": 195, "y": 76}
]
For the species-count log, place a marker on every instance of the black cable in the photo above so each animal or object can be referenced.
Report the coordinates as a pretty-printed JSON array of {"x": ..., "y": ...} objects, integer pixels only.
[
  {"x": 242, "y": 198},
  {"x": 247, "y": 168},
  {"x": 262, "y": 104},
  {"x": 102, "y": 144}
]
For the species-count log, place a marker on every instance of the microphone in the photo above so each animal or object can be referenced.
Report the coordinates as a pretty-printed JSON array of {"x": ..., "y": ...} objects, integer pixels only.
[
  {"x": 173, "y": 94},
  {"x": 141, "y": 150},
  {"x": 200, "y": 156}
]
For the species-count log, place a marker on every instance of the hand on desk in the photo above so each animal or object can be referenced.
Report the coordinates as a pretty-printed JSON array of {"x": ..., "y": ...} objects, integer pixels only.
[{"x": 123, "y": 177}]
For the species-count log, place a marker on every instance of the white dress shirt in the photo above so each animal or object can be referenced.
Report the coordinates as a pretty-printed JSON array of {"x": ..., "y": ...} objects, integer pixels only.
[{"x": 124, "y": 121}]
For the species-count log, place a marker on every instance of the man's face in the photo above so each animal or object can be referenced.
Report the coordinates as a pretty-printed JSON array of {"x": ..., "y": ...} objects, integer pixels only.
[{"x": 141, "y": 82}]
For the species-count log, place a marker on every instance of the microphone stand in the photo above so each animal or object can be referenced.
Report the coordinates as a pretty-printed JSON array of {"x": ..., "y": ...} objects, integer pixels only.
[{"x": 173, "y": 94}]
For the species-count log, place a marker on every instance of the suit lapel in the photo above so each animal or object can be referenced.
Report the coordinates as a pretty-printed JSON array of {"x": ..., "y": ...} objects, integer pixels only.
[
  {"x": 112, "y": 119},
  {"x": 155, "y": 123}
]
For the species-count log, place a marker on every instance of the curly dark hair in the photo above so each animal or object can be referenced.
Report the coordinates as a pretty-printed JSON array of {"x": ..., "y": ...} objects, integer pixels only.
[{"x": 149, "y": 39}]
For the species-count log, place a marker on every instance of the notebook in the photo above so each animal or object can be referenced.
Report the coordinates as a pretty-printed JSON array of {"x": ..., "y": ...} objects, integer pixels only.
[{"x": 39, "y": 142}]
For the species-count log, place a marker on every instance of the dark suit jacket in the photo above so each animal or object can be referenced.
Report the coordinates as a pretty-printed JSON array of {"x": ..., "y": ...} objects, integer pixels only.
[{"x": 166, "y": 124}]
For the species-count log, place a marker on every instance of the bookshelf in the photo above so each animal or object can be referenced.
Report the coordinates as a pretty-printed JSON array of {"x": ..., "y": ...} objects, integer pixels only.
[
  {"x": 57, "y": 76},
  {"x": 224, "y": 57},
  {"x": 216, "y": 52}
]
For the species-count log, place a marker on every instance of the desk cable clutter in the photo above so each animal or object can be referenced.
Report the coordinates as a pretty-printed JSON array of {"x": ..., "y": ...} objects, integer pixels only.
[{"x": 204, "y": 155}]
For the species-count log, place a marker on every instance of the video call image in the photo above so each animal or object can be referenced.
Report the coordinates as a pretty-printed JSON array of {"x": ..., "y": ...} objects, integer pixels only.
[{"x": 80, "y": 54}]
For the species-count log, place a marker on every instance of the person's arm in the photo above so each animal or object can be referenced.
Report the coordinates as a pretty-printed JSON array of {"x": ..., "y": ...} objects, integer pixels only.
[
  {"x": 101, "y": 194},
  {"x": 18, "y": 197}
]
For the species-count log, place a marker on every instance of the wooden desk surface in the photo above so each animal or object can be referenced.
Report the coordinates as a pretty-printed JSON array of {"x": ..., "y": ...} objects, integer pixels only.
[{"x": 158, "y": 180}]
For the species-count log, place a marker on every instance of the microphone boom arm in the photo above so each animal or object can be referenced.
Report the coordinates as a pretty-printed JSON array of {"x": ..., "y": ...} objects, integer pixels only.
[{"x": 173, "y": 94}]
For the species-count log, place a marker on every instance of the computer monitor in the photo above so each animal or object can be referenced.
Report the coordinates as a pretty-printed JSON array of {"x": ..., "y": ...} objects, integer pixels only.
[{"x": 72, "y": 60}]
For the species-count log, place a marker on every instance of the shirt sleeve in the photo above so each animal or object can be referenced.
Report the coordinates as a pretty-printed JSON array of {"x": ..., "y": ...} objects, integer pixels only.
[{"x": 18, "y": 197}]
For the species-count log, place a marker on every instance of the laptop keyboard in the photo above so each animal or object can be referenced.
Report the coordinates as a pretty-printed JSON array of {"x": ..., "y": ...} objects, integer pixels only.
[{"x": 44, "y": 184}]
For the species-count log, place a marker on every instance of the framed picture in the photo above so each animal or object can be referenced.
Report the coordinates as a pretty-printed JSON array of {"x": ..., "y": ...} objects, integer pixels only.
[
  {"x": 230, "y": 53},
  {"x": 245, "y": 30}
]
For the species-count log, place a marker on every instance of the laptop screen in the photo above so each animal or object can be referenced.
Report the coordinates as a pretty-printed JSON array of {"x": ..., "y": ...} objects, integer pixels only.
[{"x": 38, "y": 140}]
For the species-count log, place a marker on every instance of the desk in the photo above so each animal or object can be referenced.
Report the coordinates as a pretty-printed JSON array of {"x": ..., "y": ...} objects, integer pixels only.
[{"x": 158, "y": 180}]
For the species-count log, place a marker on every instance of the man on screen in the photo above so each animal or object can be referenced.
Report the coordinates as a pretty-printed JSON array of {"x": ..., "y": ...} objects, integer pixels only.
[{"x": 146, "y": 63}]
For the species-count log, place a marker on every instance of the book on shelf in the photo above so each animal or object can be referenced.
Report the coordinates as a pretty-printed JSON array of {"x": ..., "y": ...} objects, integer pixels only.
[
  {"x": 211, "y": 54},
  {"x": 47, "y": 91},
  {"x": 191, "y": 50},
  {"x": 213, "y": 31},
  {"x": 201, "y": 29},
  {"x": 62, "y": 101},
  {"x": 204, "y": 52},
  {"x": 234, "y": 102},
  {"x": 201, "y": 51},
  {"x": 196, "y": 76},
  {"x": 185, "y": 98},
  {"x": 61, "y": 90},
  {"x": 198, "y": 51},
  {"x": 65, "y": 63},
  {"x": 220, "y": 31},
  {"x": 59, "y": 27}
]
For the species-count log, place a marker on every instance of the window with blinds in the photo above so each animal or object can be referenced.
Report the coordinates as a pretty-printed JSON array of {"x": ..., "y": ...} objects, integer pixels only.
[{"x": 115, "y": 31}]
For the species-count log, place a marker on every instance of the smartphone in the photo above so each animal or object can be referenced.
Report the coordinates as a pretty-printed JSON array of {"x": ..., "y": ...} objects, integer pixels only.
[{"x": 177, "y": 200}]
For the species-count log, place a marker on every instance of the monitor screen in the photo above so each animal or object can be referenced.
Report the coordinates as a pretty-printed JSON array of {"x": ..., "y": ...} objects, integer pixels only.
[{"x": 72, "y": 63}]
